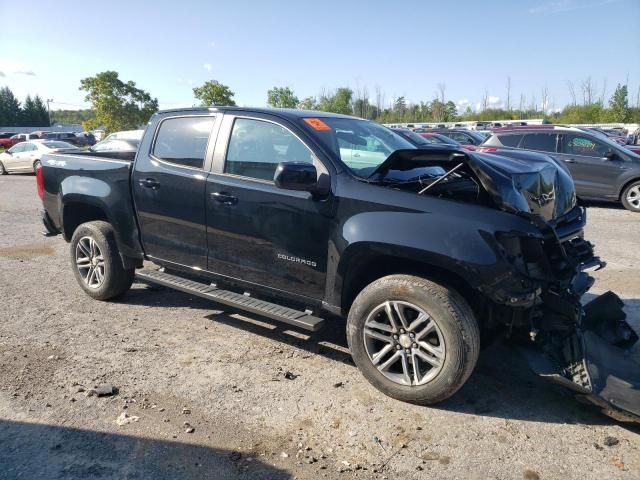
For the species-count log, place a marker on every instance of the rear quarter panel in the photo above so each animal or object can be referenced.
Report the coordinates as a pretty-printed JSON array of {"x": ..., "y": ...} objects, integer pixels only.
[{"x": 72, "y": 180}]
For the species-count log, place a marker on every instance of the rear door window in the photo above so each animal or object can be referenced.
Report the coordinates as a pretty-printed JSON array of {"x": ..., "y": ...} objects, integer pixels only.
[
  {"x": 183, "y": 140},
  {"x": 545, "y": 142},
  {"x": 510, "y": 140},
  {"x": 587, "y": 147}
]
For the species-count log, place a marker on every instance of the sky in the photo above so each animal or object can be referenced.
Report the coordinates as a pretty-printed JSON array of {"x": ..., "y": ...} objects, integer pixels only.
[{"x": 406, "y": 48}]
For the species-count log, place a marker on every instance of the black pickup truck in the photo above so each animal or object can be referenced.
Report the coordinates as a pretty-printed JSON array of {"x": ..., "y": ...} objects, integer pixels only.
[{"x": 306, "y": 217}]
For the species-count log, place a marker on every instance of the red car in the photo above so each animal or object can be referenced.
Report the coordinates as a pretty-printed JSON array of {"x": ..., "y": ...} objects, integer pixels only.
[
  {"x": 15, "y": 138},
  {"x": 5, "y": 139}
]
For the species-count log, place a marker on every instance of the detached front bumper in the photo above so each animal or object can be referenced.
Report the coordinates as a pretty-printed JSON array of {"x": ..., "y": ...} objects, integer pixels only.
[{"x": 595, "y": 359}]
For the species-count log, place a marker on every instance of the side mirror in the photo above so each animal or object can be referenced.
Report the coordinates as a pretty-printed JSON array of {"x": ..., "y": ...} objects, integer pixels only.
[
  {"x": 611, "y": 155},
  {"x": 299, "y": 176}
]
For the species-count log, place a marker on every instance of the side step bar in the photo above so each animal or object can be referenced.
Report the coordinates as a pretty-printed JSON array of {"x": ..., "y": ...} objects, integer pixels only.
[{"x": 242, "y": 302}]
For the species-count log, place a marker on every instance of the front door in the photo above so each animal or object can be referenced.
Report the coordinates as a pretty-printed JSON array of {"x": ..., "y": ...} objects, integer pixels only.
[
  {"x": 257, "y": 232},
  {"x": 593, "y": 174},
  {"x": 19, "y": 159},
  {"x": 169, "y": 190}
]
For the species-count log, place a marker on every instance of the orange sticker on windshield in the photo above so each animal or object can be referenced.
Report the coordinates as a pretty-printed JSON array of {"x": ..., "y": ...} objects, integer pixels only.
[{"x": 317, "y": 124}]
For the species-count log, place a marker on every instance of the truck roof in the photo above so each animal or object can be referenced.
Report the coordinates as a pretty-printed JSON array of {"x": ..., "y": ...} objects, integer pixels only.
[{"x": 282, "y": 112}]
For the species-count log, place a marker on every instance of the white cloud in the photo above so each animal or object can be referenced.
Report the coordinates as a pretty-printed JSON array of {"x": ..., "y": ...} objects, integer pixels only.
[
  {"x": 10, "y": 67},
  {"x": 207, "y": 67}
]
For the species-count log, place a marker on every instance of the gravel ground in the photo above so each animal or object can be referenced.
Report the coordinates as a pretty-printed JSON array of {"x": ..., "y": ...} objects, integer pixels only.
[{"x": 177, "y": 359}]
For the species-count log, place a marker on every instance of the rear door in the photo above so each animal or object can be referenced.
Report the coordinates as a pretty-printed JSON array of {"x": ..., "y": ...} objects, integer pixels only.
[
  {"x": 168, "y": 186},
  {"x": 594, "y": 175},
  {"x": 256, "y": 232}
]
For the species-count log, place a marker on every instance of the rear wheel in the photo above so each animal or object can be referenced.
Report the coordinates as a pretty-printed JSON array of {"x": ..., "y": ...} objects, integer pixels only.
[
  {"x": 631, "y": 197},
  {"x": 96, "y": 261},
  {"x": 413, "y": 339}
]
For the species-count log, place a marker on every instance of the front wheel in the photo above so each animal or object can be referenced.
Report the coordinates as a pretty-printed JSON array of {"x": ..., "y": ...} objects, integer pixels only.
[
  {"x": 3, "y": 171},
  {"x": 413, "y": 339},
  {"x": 631, "y": 197},
  {"x": 96, "y": 262},
  {"x": 36, "y": 164}
]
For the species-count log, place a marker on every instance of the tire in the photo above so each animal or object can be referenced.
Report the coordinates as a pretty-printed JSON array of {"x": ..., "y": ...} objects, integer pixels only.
[
  {"x": 93, "y": 246},
  {"x": 35, "y": 165},
  {"x": 455, "y": 338},
  {"x": 631, "y": 197},
  {"x": 3, "y": 171}
]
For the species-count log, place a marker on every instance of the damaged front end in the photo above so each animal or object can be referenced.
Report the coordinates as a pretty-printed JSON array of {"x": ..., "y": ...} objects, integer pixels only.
[{"x": 537, "y": 294}]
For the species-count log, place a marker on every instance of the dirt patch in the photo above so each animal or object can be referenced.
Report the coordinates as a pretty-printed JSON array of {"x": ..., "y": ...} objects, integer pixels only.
[{"x": 22, "y": 252}]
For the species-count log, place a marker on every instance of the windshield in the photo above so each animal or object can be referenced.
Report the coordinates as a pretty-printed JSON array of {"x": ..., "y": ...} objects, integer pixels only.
[{"x": 360, "y": 144}]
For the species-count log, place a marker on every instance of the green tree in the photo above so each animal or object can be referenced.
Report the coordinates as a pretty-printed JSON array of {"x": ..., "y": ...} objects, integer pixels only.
[
  {"x": 619, "y": 104},
  {"x": 118, "y": 105},
  {"x": 212, "y": 93},
  {"x": 29, "y": 116},
  {"x": 338, "y": 101},
  {"x": 10, "y": 114},
  {"x": 72, "y": 116},
  {"x": 308, "y": 103},
  {"x": 41, "y": 113},
  {"x": 282, "y": 97}
]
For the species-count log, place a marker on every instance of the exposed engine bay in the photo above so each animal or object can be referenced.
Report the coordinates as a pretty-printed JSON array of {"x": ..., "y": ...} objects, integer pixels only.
[{"x": 584, "y": 347}]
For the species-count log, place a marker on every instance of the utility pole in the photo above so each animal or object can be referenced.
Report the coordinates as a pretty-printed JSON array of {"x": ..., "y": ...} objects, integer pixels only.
[{"x": 49, "y": 100}]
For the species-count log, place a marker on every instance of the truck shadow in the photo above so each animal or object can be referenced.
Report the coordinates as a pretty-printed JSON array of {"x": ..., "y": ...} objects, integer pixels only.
[
  {"x": 501, "y": 386},
  {"x": 38, "y": 451}
]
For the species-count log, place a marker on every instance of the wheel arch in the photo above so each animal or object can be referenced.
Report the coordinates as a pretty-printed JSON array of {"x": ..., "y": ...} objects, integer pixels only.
[
  {"x": 369, "y": 264},
  {"x": 626, "y": 185}
]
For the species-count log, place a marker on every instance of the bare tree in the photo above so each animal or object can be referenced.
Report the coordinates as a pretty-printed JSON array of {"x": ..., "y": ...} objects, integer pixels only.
[
  {"x": 485, "y": 100},
  {"x": 603, "y": 95},
  {"x": 638, "y": 98},
  {"x": 533, "y": 106},
  {"x": 441, "y": 89},
  {"x": 379, "y": 99},
  {"x": 544, "y": 91},
  {"x": 587, "y": 91},
  {"x": 508, "y": 93},
  {"x": 523, "y": 101},
  {"x": 572, "y": 92}
]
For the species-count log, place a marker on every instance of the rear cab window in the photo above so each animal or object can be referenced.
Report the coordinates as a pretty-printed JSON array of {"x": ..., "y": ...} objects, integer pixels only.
[{"x": 183, "y": 140}]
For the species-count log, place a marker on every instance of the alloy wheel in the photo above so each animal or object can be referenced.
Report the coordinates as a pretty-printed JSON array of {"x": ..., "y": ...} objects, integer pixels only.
[
  {"x": 90, "y": 262},
  {"x": 633, "y": 197},
  {"x": 404, "y": 343}
]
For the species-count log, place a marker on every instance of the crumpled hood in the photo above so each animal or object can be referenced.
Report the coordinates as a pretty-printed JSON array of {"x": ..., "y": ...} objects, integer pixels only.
[{"x": 536, "y": 185}]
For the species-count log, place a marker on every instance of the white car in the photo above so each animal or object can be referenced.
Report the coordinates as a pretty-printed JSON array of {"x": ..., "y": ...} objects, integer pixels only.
[
  {"x": 126, "y": 135},
  {"x": 24, "y": 156}
]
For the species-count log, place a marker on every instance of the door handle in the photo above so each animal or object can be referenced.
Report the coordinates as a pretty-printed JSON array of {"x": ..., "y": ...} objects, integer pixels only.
[
  {"x": 569, "y": 160},
  {"x": 224, "y": 198},
  {"x": 149, "y": 183}
]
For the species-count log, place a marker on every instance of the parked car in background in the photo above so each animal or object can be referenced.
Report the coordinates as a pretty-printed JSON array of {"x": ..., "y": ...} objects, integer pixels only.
[
  {"x": 126, "y": 135},
  {"x": 116, "y": 145},
  {"x": 424, "y": 138},
  {"x": 614, "y": 136},
  {"x": 17, "y": 138},
  {"x": 87, "y": 138},
  {"x": 25, "y": 156},
  {"x": 5, "y": 139},
  {"x": 465, "y": 137},
  {"x": 601, "y": 168}
]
